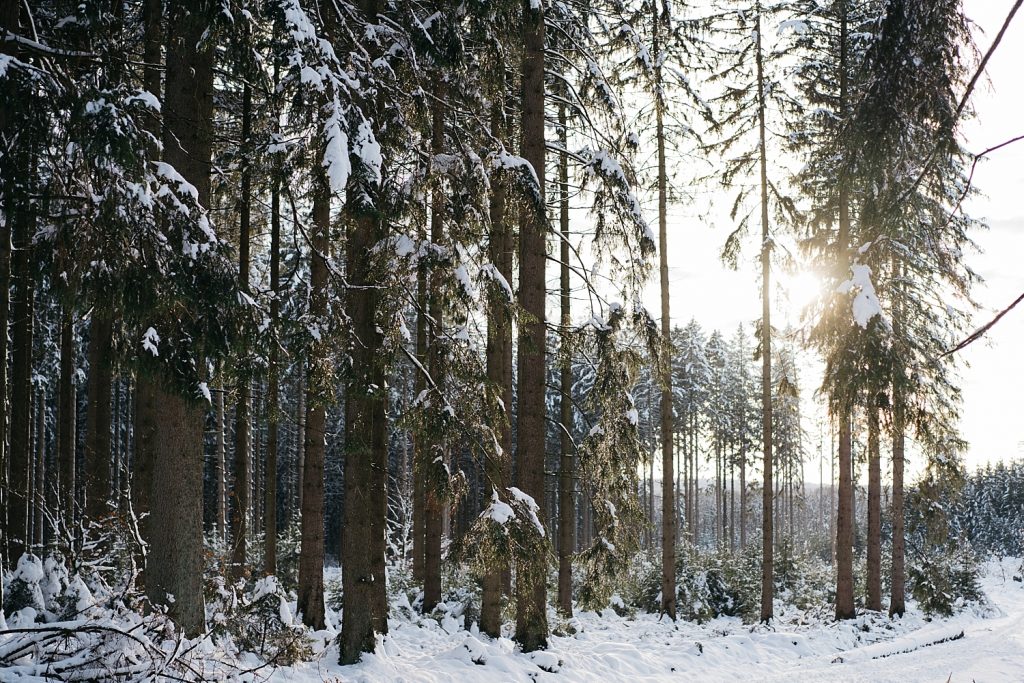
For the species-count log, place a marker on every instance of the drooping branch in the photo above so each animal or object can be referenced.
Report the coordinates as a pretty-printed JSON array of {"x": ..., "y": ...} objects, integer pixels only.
[{"x": 981, "y": 331}]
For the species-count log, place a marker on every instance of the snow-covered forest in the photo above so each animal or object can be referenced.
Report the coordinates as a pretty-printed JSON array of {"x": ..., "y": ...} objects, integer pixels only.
[{"x": 336, "y": 343}]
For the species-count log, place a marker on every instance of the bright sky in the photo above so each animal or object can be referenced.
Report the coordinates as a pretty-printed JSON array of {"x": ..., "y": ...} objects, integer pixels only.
[{"x": 993, "y": 419}]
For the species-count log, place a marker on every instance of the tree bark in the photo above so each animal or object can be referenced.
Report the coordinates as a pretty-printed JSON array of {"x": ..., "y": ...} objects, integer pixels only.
[
  {"x": 844, "y": 514},
  {"x": 897, "y": 602},
  {"x": 311, "y": 551},
  {"x": 8, "y": 21},
  {"x": 144, "y": 416},
  {"x": 174, "y": 450},
  {"x": 420, "y": 452},
  {"x": 220, "y": 469},
  {"x": 767, "y": 547},
  {"x": 67, "y": 410},
  {"x": 240, "y": 512},
  {"x": 531, "y": 591},
  {"x": 499, "y": 368},
  {"x": 21, "y": 387},
  {"x": 435, "y": 447},
  {"x": 300, "y": 438},
  {"x": 844, "y": 525},
  {"x": 743, "y": 498},
  {"x": 98, "y": 416},
  {"x": 874, "y": 559},
  {"x": 273, "y": 372},
  {"x": 366, "y": 451},
  {"x": 668, "y": 517},
  {"x": 567, "y": 458},
  {"x": 39, "y": 501},
  {"x": 363, "y": 547}
]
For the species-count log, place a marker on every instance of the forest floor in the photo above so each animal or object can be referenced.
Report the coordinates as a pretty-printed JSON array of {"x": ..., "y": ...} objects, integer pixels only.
[{"x": 984, "y": 643}]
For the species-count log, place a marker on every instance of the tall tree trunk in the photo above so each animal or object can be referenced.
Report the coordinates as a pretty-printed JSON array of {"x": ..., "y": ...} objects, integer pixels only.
[
  {"x": 767, "y": 548},
  {"x": 67, "y": 410},
  {"x": 366, "y": 451},
  {"x": 175, "y": 449},
  {"x": 668, "y": 518},
  {"x": 311, "y": 551},
  {"x": 220, "y": 468},
  {"x": 364, "y": 542},
  {"x": 845, "y": 522},
  {"x": 300, "y": 438},
  {"x": 435, "y": 447},
  {"x": 845, "y": 525},
  {"x": 41, "y": 488},
  {"x": 874, "y": 601},
  {"x": 115, "y": 447},
  {"x": 743, "y": 498},
  {"x": 531, "y": 590},
  {"x": 897, "y": 602},
  {"x": 98, "y": 416},
  {"x": 567, "y": 459},
  {"x": 420, "y": 456},
  {"x": 144, "y": 417},
  {"x": 499, "y": 367},
  {"x": 240, "y": 512},
  {"x": 21, "y": 388},
  {"x": 273, "y": 402},
  {"x": 732, "y": 505},
  {"x": 8, "y": 21}
]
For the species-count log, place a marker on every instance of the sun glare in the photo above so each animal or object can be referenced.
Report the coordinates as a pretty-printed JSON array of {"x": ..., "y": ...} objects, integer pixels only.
[{"x": 801, "y": 289}]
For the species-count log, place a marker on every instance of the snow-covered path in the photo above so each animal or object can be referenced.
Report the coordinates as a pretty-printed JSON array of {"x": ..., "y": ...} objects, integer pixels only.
[
  {"x": 991, "y": 650},
  {"x": 609, "y": 648}
]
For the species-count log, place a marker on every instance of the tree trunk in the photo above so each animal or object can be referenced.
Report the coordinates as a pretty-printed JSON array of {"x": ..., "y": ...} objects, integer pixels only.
[
  {"x": 240, "y": 512},
  {"x": 767, "y": 549},
  {"x": 897, "y": 603},
  {"x": 115, "y": 447},
  {"x": 220, "y": 469},
  {"x": 21, "y": 388},
  {"x": 40, "y": 498},
  {"x": 98, "y": 416},
  {"x": 366, "y": 456},
  {"x": 668, "y": 517},
  {"x": 435, "y": 447},
  {"x": 845, "y": 525},
  {"x": 420, "y": 453},
  {"x": 874, "y": 601},
  {"x": 531, "y": 591},
  {"x": 567, "y": 458},
  {"x": 67, "y": 410},
  {"x": 732, "y": 506},
  {"x": 364, "y": 542},
  {"x": 144, "y": 416},
  {"x": 5, "y": 279},
  {"x": 743, "y": 498},
  {"x": 273, "y": 402},
  {"x": 175, "y": 450},
  {"x": 300, "y": 439},
  {"x": 8, "y": 21},
  {"x": 311, "y": 552},
  {"x": 499, "y": 369}
]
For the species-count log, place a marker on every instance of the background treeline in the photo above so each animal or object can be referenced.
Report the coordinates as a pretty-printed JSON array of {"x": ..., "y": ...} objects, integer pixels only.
[{"x": 275, "y": 277}]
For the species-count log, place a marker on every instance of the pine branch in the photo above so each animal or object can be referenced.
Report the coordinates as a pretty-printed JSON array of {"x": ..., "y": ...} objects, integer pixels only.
[
  {"x": 980, "y": 332},
  {"x": 963, "y": 102}
]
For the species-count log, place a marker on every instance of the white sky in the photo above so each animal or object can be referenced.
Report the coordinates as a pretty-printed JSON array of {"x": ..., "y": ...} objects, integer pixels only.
[{"x": 993, "y": 419}]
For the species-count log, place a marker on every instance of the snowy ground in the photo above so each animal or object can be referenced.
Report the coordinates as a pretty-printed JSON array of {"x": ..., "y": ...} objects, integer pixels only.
[{"x": 981, "y": 644}]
